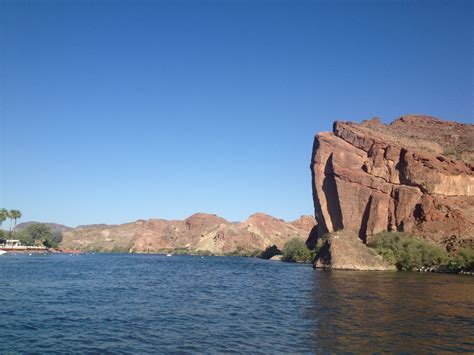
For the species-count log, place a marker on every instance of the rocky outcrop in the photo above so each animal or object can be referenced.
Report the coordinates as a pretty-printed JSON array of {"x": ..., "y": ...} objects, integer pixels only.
[
  {"x": 415, "y": 175},
  {"x": 345, "y": 251},
  {"x": 198, "y": 233}
]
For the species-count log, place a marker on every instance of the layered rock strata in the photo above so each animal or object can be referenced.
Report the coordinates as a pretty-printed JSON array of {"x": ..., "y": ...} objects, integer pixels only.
[{"x": 415, "y": 175}]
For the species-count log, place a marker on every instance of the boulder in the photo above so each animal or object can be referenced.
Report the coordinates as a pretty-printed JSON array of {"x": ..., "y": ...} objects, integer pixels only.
[{"x": 345, "y": 251}]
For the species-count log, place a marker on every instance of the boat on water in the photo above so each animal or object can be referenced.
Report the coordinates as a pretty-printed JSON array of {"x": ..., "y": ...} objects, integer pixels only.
[
  {"x": 169, "y": 254},
  {"x": 2, "y": 252}
]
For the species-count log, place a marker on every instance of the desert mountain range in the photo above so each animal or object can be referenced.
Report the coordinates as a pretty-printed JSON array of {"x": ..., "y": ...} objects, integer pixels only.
[{"x": 201, "y": 232}]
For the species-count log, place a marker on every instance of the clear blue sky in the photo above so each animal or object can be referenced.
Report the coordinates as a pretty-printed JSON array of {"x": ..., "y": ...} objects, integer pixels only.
[{"x": 113, "y": 111}]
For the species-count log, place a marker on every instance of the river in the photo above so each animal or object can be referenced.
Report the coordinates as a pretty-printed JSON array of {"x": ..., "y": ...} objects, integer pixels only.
[{"x": 152, "y": 303}]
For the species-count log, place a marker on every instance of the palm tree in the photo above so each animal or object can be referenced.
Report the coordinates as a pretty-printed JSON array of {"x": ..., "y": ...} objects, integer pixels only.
[
  {"x": 14, "y": 215},
  {"x": 3, "y": 215},
  {"x": 9, "y": 216}
]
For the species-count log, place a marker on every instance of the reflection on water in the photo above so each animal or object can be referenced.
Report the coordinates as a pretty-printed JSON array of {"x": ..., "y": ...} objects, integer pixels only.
[
  {"x": 395, "y": 312},
  {"x": 151, "y": 303}
]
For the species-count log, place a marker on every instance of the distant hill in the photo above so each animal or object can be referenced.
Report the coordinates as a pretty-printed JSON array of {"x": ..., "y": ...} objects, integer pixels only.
[
  {"x": 55, "y": 227},
  {"x": 199, "y": 233}
]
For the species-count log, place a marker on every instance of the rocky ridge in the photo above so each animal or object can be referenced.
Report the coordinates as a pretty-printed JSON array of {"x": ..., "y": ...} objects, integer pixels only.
[
  {"x": 200, "y": 232},
  {"x": 415, "y": 175}
]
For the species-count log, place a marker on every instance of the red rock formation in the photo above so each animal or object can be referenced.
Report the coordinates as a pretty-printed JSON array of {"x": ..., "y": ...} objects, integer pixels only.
[
  {"x": 197, "y": 233},
  {"x": 415, "y": 175}
]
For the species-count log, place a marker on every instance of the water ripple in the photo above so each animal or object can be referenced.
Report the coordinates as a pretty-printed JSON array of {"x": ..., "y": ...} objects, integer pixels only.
[{"x": 150, "y": 303}]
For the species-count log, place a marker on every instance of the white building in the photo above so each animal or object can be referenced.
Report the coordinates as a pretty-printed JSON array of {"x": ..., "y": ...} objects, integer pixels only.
[{"x": 12, "y": 243}]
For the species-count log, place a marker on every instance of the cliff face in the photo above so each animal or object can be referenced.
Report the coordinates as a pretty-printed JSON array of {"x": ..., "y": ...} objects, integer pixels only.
[
  {"x": 415, "y": 175},
  {"x": 200, "y": 232}
]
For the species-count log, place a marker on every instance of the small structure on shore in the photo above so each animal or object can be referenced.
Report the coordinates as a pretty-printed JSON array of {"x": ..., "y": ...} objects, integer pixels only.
[
  {"x": 12, "y": 243},
  {"x": 15, "y": 245}
]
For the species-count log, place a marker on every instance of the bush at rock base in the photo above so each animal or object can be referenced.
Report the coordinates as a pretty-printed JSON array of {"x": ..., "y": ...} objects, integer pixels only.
[
  {"x": 463, "y": 261},
  {"x": 241, "y": 251},
  {"x": 270, "y": 252},
  {"x": 407, "y": 252},
  {"x": 295, "y": 250}
]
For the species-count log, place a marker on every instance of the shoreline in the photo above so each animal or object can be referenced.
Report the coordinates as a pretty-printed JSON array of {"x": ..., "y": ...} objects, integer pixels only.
[
  {"x": 26, "y": 250},
  {"x": 432, "y": 270}
]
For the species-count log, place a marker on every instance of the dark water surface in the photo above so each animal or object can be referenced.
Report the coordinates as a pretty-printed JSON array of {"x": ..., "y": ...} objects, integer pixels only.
[{"x": 151, "y": 303}]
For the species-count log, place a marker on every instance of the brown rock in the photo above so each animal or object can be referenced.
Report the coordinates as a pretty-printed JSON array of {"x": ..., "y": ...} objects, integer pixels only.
[
  {"x": 345, "y": 251},
  {"x": 415, "y": 175}
]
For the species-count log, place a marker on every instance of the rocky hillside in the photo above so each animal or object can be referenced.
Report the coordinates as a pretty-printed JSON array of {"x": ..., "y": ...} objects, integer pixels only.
[
  {"x": 200, "y": 232},
  {"x": 415, "y": 175}
]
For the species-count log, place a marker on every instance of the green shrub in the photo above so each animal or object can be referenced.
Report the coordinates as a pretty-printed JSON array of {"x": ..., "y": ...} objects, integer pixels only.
[
  {"x": 119, "y": 249},
  {"x": 449, "y": 151},
  {"x": 48, "y": 243},
  {"x": 407, "y": 252},
  {"x": 24, "y": 237},
  {"x": 3, "y": 236},
  {"x": 270, "y": 252},
  {"x": 452, "y": 152},
  {"x": 464, "y": 260},
  {"x": 203, "y": 252},
  {"x": 295, "y": 250},
  {"x": 56, "y": 238},
  {"x": 254, "y": 253},
  {"x": 39, "y": 233},
  {"x": 180, "y": 251},
  {"x": 241, "y": 251}
]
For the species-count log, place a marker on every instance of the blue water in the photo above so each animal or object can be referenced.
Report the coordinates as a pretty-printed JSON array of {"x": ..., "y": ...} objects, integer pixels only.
[{"x": 187, "y": 304}]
